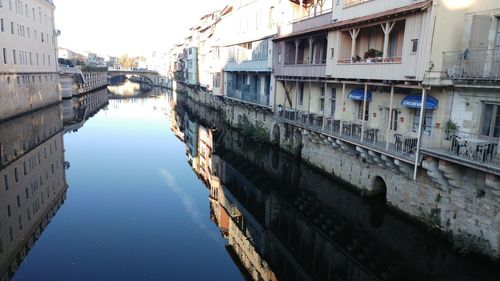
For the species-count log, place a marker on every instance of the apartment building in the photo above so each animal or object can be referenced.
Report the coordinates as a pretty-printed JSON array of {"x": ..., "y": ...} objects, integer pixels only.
[
  {"x": 28, "y": 56},
  {"x": 248, "y": 66},
  {"x": 394, "y": 76}
]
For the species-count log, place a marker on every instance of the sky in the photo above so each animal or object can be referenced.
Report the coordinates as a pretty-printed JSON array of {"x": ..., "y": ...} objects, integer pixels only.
[{"x": 116, "y": 27}]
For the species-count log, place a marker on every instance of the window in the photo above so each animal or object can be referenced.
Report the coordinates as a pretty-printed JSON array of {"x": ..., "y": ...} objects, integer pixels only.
[
  {"x": 2, "y": 28},
  {"x": 497, "y": 36},
  {"x": 427, "y": 126},
  {"x": 333, "y": 101},
  {"x": 490, "y": 120},
  {"x": 394, "y": 120},
  {"x": 322, "y": 99},
  {"x": 360, "y": 110},
  {"x": 217, "y": 80},
  {"x": 332, "y": 52},
  {"x": 12, "y": 27},
  {"x": 6, "y": 180},
  {"x": 414, "y": 46},
  {"x": 4, "y": 55},
  {"x": 14, "y": 56},
  {"x": 301, "y": 93}
]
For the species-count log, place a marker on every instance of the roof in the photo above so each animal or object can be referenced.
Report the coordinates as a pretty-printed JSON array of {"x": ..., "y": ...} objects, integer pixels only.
[{"x": 392, "y": 13}]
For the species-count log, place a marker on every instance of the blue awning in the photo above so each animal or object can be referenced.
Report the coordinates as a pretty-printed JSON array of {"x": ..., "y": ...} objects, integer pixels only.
[
  {"x": 359, "y": 94},
  {"x": 416, "y": 102}
]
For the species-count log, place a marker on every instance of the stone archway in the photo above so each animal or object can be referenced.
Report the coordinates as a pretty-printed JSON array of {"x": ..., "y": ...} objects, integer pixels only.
[
  {"x": 298, "y": 142},
  {"x": 276, "y": 135},
  {"x": 379, "y": 188}
]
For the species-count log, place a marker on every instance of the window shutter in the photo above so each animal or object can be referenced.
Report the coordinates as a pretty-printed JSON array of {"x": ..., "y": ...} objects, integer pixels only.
[{"x": 477, "y": 31}]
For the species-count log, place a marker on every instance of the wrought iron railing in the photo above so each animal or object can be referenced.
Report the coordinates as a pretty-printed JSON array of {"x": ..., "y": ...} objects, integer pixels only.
[
  {"x": 462, "y": 145},
  {"x": 404, "y": 144},
  {"x": 472, "y": 65}
]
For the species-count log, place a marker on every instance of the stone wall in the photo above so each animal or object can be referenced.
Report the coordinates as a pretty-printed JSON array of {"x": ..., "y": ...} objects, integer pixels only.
[
  {"x": 445, "y": 196},
  {"x": 23, "y": 93}
]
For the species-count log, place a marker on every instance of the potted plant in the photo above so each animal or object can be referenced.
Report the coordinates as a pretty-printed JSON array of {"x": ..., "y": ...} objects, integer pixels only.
[
  {"x": 371, "y": 54},
  {"x": 450, "y": 129},
  {"x": 357, "y": 58}
]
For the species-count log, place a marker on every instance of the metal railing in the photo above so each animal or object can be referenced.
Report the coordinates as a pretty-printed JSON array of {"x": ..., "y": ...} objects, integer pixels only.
[
  {"x": 370, "y": 60},
  {"x": 403, "y": 144},
  {"x": 462, "y": 145},
  {"x": 475, "y": 65}
]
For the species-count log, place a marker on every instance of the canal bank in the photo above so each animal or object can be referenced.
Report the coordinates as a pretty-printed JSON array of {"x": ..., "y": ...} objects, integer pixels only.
[
  {"x": 467, "y": 209},
  {"x": 289, "y": 221}
]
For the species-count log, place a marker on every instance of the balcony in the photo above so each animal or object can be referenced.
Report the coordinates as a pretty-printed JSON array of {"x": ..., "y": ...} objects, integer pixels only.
[
  {"x": 307, "y": 22},
  {"x": 359, "y": 9},
  {"x": 468, "y": 149},
  {"x": 247, "y": 93},
  {"x": 472, "y": 66},
  {"x": 400, "y": 146},
  {"x": 252, "y": 56},
  {"x": 305, "y": 57},
  {"x": 376, "y": 52}
]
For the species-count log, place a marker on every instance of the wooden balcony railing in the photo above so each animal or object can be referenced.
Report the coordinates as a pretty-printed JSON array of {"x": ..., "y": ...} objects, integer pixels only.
[{"x": 370, "y": 60}]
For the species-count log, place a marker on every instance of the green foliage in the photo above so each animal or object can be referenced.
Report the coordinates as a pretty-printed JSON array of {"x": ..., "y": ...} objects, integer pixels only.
[
  {"x": 466, "y": 243},
  {"x": 372, "y": 53},
  {"x": 433, "y": 219},
  {"x": 438, "y": 198},
  {"x": 221, "y": 114},
  {"x": 450, "y": 128},
  {"x": 128, "y": 62},
  {"x": 256, "y": 133}
]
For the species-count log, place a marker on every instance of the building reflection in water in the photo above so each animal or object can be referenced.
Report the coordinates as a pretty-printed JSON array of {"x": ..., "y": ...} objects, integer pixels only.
[
  {"x": 79, "y": 109},
  {"x": 285, "y": 221},
  {"x": 129, "y": 89},
  {"x": 32, "y": 182},
  {"x": 33, "y": 173}
]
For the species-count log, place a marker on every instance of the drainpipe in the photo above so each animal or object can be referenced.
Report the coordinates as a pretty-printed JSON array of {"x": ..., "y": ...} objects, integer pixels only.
[
  {"x": 390, "y": 119},
  {"x": 419, "y": 140},
  {"x": 324, "y": 106},
  {"x": 342, "y": 109},
  {"x": 297, "y": 42},
  {"x": 363, "y": 114}
]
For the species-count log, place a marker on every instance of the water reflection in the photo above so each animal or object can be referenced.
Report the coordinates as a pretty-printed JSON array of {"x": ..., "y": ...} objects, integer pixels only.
[
  {"x": 32, "y": 182},
  {"x": 78, "y": 110},
  {"x": 33, "y": 173},
  {"x": 285, "y": 221},
  {"x": 129, "y": 89}
]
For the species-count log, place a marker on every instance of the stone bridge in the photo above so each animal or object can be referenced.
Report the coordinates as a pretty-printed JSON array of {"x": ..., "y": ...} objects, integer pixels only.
[{"x": 151, "y": 77}]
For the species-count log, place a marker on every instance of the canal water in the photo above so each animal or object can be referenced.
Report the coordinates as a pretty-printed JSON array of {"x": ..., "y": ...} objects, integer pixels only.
[{"x": 155, "y": 187}]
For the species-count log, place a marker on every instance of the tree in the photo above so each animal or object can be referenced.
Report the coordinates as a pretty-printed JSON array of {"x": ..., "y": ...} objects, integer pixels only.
[{"x": 128, "y": 62}]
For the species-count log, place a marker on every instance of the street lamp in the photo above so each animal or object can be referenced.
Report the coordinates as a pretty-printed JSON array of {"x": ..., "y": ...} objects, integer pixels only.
[{"x": 280, "y": 109}]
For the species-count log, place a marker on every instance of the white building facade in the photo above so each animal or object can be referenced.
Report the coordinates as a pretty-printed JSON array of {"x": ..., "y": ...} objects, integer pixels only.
[{"x": 28, "y": 56}]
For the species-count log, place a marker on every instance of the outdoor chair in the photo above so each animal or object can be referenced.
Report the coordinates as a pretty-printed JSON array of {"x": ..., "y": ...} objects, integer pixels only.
[{"x": 398, "y": 141}]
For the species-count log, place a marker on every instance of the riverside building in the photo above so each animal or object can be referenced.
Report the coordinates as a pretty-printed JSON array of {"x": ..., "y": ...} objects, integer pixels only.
[{"x": 28, "y": 56}]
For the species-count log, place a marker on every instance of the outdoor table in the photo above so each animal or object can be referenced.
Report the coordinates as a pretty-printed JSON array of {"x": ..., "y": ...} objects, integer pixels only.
[
  {"x": 371, "y": 134},
  {"x": 472, "y": 147},
  {"x": 347, "y": 127},
  {"x": 319, "y": 121},
  {"x": 336, "y": 125}
]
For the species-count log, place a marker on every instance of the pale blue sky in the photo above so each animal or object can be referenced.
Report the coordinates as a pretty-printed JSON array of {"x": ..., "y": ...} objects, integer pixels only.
[{"x": 114, "y": 27}]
